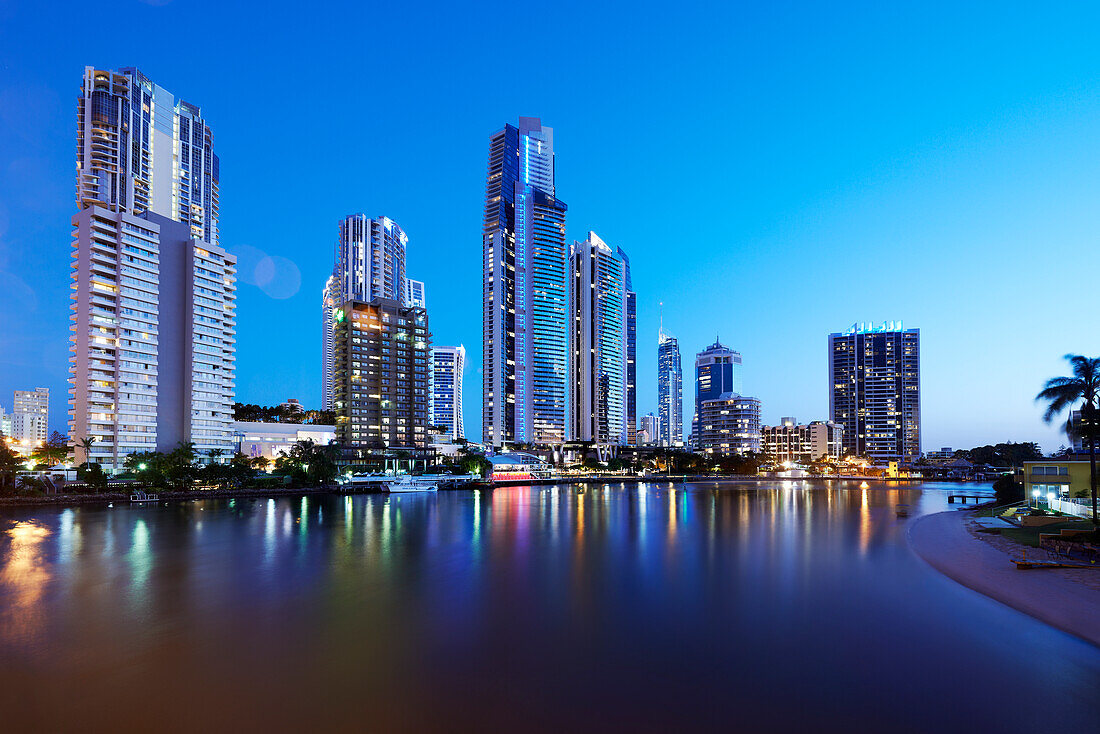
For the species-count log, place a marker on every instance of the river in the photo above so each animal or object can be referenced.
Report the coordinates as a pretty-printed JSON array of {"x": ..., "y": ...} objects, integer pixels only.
[{"x": 777, "y": 606}]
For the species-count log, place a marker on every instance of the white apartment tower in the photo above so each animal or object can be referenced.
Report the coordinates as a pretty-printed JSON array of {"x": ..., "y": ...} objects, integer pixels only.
[
  {"x": 153, "y": 322},
  {"x": 34, "y": 403},
  {"x": 597, "y": 343},
  {"x": 448, "y": 364}
]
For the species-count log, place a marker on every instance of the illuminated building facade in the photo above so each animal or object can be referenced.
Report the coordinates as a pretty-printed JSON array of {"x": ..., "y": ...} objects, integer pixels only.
[
  {"x": 414, "y": 293},
  {"x": 383, "y": 353},
  {"x": 597, "y": 343},
  {"x": 448, "y": 364},
  {"x": 670, "y": 377},
  {"x": 728, "y": 425},
  {"x": 369, "y": 263},
  {"x": 154, "y": 317},
  {"x": 717, "y": 374},
  {"x": 524, "y": 290},
  {"x": 874, "y": 390},
  {"x": 631, "y": 355},
  {"x": 34, "y": 403},
  {"x": 650, "y": 430},
  {"x": 791, "y": 441}
]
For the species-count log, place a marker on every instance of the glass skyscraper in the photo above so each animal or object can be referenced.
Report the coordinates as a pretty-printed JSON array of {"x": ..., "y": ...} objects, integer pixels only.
[
  {"x": 448, "y": 364},
  {"x": 874, "y": 390},
  {"x": 631, "y": 356},
  {"x": 524, "y": 297},
  {"x": 670, "y": 407},
  {"x": 598, "y": 343},
  {"x": 717, "y": 374}
]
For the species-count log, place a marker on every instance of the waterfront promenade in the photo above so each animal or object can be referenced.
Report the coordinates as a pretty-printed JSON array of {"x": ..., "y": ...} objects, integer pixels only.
[{"x": 1066, "y": 599}]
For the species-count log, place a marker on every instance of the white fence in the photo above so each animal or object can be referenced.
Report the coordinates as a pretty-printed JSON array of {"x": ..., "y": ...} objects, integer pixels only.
[{"x": 1079, "y": 506}]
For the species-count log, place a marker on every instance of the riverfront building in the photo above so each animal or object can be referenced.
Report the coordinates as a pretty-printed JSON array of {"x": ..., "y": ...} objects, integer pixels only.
[
  {"x": 414, "y": 293},
  {"x": 154, "y": 315},
  {"x": 631, "y": 355},
  {"x": 448, "y": 364},
  {"x": 670, "y": 409},
  {"x": 524, "y": 290},
  {"x": 791, "y": 441},
  {"x": 874, "y": 390},
  {"x": 717, "y": 374},
  {"x": 382, "y": 373},
  {"x": 369, "y": 263},
  {"x": 597, "y": 343},
  {"x": 267, "y": 440},
  {"x": 729, "y": 425}
]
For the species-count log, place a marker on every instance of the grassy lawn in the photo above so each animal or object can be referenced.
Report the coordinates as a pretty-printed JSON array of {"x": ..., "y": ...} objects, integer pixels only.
[{"x": 1030, "y": 536}]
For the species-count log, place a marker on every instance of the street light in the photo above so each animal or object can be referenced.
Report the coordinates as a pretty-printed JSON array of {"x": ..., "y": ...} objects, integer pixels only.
[
  {"x": 141, "y": 467},
  {"x": 1035, "y": 494}
]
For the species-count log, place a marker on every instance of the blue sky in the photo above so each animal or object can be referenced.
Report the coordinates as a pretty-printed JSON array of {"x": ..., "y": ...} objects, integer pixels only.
[{"x": 776, "y": 171}]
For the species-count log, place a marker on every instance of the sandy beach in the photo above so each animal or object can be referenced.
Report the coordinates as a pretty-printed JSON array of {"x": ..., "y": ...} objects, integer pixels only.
[{"x": 1064, "y": 598}]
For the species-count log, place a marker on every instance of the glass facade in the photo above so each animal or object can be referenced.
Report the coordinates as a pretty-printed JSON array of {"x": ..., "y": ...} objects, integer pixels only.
[{"x": 670, "y": 408}]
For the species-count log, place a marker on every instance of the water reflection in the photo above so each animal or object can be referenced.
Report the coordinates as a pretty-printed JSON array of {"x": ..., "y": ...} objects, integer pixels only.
[{"x": 467, "y": 609}]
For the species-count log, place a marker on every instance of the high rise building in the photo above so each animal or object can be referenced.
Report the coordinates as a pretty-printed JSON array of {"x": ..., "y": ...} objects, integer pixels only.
[
  {"x": 369, "y": 263},
  {"x": 631, "y": 356},
  {"x": 140, "y": 148},
  {"x": 414, "y": 293},
  {"x": 330, "y": 301},
  {"x": 524, "y": 297},
  {"x": 791, "y": 441},
  {"x": 670, "y": 377},
  {"x": 717, "y": 373},
  {"x": 651, "y": 429},
  {"x": 874, "y": 389},
  {"x": 728, "y": 425},
  {"x": 597, "y": 343},
  {"x": 725, "y": 422},
  {"x": 153, "y": 324},
  {"x": 34, "y": 402},
  {"x": 448, "y": 364},
  {"x": 382, "y": 374}
]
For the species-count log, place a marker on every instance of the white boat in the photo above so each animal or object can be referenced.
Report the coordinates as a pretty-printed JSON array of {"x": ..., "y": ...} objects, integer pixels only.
[{"x": 412, "y": 484}]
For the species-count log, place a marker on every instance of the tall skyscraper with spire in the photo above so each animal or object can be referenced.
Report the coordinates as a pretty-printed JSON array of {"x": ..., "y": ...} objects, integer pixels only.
[
  {"x": 670, "y": 408},
  {"x": 524, "y": 349},
  {"x": 154, "y": 314}
]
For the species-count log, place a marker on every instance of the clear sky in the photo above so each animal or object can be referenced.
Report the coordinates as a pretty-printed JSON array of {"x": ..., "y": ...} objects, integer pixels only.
[{"x": 776, "y": 171}]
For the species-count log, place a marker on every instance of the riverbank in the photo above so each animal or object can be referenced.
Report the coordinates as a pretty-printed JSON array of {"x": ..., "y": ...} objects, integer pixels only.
[{"x": 1064, "y": 598}]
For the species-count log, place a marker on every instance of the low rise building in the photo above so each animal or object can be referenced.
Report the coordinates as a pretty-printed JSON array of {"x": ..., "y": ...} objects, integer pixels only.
[
  {"x": 519, "y": 466},
  {"x": 791, "y": 441},
  {"x": 268, "y": 440}
]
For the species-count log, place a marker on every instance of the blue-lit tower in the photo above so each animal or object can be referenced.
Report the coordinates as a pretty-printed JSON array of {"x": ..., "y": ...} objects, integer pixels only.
[
  {"x": 717, "y": 374},
  {"x": 670, "y": 407},
  {"x": 524, "y": 252}
]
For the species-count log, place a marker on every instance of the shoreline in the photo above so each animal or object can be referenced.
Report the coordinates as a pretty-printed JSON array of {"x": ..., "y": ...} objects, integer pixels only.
[
  {"x": 251, "y": 493},
  {"x": 1060, "y": 598}
]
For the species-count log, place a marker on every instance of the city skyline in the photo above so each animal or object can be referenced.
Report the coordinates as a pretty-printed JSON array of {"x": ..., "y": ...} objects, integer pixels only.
[{"x": 967, "y": 257}]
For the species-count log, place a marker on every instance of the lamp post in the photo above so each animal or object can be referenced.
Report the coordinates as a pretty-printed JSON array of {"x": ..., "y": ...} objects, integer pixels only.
[{"x": 1035, "y": 494}]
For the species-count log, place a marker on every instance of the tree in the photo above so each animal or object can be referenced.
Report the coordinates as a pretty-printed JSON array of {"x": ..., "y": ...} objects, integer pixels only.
[
  {"x": 1061, "y": 393},
  {"x": 53, "y": 452},
  {"x": 306, "y": 462},
  {"x": 93, "y": 475},
  {"x": 180, "y": 469},
  {"x": 10, "y": 464},
  {"x": 86, "y": 446}
]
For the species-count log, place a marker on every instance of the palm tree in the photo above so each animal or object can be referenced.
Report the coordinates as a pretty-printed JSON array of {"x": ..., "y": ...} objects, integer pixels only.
[
  {"x": 1063, "y": 392},
  {"x": 86, "y": 447}
]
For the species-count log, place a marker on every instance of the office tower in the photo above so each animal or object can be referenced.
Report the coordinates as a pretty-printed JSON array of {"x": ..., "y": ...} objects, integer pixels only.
[
  {"x": 717, "y": 373},
  {"x": 791, "y": 441},
  {"x": 670, "y": 407},
  {"x": 154, "y": 319},
  {"x": 369, "y": 263},
  {"x": 597, "y": 343},
  {"x": 34, "y": 402},
  {"x": 874, "y": 389},
  {"x": 631, "y": 356},
  {"x": 524, "y": 297},
  {"x": 330, "y": 301},
  {"x": 414, "y": 293},
  {"x": 446, "y": 404},
  {"x": 382, "y": 374},
  {"x": 651, "y": 429},
  {"x": 5, "y": 423}
]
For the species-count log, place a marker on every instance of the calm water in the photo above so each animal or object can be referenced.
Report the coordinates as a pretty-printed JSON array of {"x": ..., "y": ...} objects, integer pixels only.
[{"x": 773, "y": 607}]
